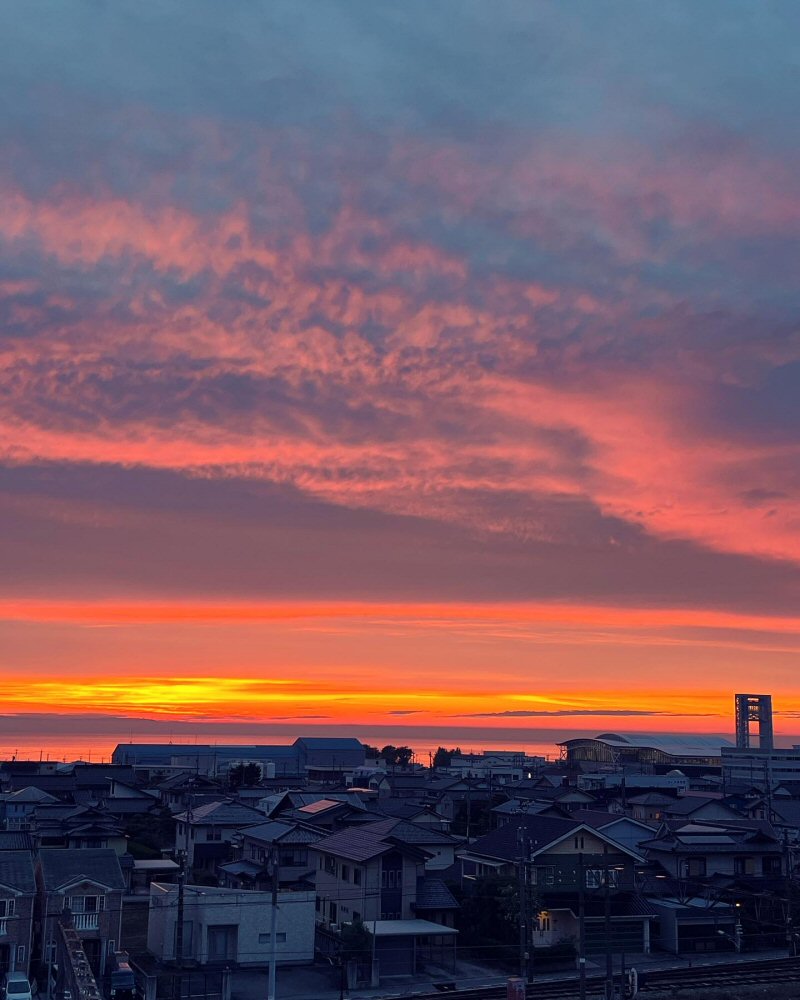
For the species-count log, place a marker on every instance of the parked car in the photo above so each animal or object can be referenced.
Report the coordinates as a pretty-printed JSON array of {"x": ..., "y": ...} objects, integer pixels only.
[{"x": 17, "y": 987}]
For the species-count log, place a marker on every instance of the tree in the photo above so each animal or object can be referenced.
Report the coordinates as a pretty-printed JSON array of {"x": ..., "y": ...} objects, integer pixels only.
[
  {"x": 489, "y": 917},
  {"x": 389, "y": 754},
  {"x": 244, "y": 775},
  {"x": 442, "y": 757},
  {"x": 404, "y": 755},
  {"x": 150, "y": 833},
  {"x": 356, "y": 941}
]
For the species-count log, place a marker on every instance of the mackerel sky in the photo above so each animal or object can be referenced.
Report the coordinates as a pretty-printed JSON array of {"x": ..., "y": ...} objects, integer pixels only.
[{"x": 370, "y": 363}]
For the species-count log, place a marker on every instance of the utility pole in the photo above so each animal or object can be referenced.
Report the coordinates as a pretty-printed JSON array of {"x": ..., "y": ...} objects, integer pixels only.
[
  {"x": 607, "y": 922},
  {"x": 787, "y": 862},
  {"x": 523, "y": 915},
  {"x": 273, "y": 927},
  {"x": 581, "y": 928},
  {"x": 180, "y": 917}
]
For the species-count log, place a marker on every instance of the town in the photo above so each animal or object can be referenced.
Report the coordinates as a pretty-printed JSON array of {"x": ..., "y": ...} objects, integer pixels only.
[{"x": 333, "y": 867}]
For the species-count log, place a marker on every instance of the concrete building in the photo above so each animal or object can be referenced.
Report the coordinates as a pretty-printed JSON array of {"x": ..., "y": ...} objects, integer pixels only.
[{"x": 231, "y": 926}]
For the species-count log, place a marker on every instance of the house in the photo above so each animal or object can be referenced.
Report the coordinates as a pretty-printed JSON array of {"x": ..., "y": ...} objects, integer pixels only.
[
  {"x": 438, "y": 845},
  {"x": 566, "y": 862},
  {"x": 252, "y": 850},
  {"x": 75, "y": 827},
  {"x": 17, "y": 897},
  {"x": 203, "y": 835},
  {"x": 231, "y": 927},
  {"x": 21, "y": 805},
  {"x": 650, "y": 806},
  {"x": 90, "y": 885},
  {"x": 689, "y": 849},
  {"x": 699, "y": 807},
  {"x": 370, "y": 876},
  {"x": 623, "y": 829}
]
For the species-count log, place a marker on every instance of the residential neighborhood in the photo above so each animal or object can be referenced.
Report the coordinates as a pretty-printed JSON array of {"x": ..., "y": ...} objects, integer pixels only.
[{"x": 358, "y": 867}]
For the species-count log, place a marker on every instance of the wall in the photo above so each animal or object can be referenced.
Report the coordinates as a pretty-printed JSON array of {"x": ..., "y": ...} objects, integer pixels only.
[{"x": 250, "y": 911}]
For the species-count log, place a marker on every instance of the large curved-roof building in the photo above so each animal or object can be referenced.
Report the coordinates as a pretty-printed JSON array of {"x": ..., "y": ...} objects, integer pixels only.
[{"x": 658, "y": 753}]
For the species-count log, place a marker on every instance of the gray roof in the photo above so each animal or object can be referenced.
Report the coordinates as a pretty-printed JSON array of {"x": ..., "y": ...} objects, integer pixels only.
[
  {"x": 61, "y": 867},
  {"x": 433, "y": 894},
  {"x": 409, "y": 833},
  {"x": 329, "y": 743},
  {"x": 15, "y": 840},
  {"x": 223, "y": 814},
  {"x": 16, "y": 871},
  {"x": 285, "y": 833}
]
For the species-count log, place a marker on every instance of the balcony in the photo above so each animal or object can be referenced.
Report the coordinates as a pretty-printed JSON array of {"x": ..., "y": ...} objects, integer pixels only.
[{"x": 86, "y": 921}]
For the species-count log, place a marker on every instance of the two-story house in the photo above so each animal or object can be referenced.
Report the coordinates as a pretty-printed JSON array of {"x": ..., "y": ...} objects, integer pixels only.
[
  {"x": 17, "y": 896},
  {"x": 254, "y": 847},
  {"x": 693, "y": 849},
  {"x": 89, "y": 884},
  {"x": 567, "y": 863},
  {"x": 371, "y": 877},
  {"x": 204, "y": 834}
]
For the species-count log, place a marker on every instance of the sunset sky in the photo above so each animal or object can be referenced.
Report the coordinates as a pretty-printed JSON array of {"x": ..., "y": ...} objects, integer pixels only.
[{"x": 380, "y": 365}]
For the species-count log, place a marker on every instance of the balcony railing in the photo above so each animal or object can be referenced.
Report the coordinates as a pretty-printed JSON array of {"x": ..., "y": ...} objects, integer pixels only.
[
  {"x": 3, "y": 927},
  {"x": 85, "y": 921}
]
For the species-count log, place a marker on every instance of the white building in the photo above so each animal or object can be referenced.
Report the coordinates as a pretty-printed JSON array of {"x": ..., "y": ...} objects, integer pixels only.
[{"x": 229, "y": 925}]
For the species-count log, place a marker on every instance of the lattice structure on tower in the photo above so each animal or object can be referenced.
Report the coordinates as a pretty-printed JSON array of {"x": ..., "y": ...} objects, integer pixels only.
[{"x": 754, "y": 708}]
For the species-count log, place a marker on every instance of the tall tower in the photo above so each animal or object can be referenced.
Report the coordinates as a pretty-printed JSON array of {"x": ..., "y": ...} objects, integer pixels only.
[{"x": 754, "y": 708}]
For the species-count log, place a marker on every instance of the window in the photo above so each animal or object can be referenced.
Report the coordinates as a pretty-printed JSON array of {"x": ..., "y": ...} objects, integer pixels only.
[
  {"x": 85, "y": 904},
  {"x": 111, "y": 948},
  {"x": 280, "y": 937},
  {"x": 214, "y": 834},
  {"x": 345, "y": 873},
  {"x": 579, "y": 843},
  {"x": 598, "y": 878},
  {"x": 744, "y": 866},
  {"x": 357, "y": 876},
  {"x": 20, "y": 956},
  {"x": 544, "y": 924},
  {"x": 545, "y": 875},
  {"x": 330, "y": 864},
  {"x": 771, "y": 866},
  {"x": 334, "y": 911},
  {"x": 693, "y": 867},
  {"x": 7, "y": 907}
]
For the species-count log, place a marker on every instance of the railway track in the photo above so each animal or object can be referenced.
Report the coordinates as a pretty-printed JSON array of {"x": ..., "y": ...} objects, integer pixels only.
[{"x": 772, "y": 972}]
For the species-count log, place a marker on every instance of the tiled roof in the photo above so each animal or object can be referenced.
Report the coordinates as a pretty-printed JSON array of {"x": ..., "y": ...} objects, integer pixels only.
[
  {"x": 31, "y": 794},
  {"x": 433, "y": 894},
  {"x": 15, "y": 840},
  {"x": 409, "y": 833},
  {"x": 275, "y": 831},
  {"x": 61, "y": 867},
  {"x": 16, "y": 871},
  {"x": 503, "y": 843},
  {"x": 356, "y": 845},
  {"x": 223, "y": 814}
]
